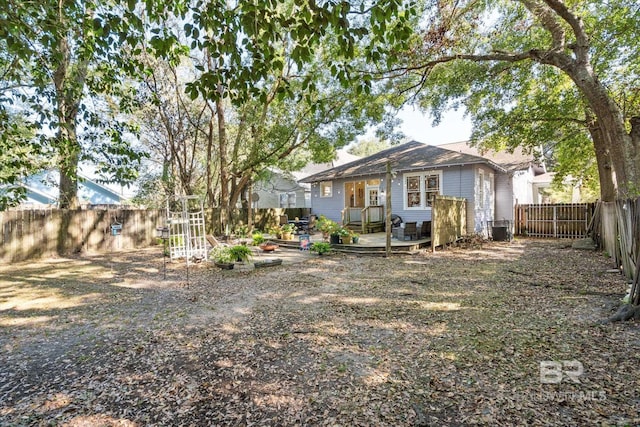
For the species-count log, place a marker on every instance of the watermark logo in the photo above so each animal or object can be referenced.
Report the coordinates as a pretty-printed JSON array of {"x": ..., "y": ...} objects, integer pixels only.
[{"x": 552, "y": 372}]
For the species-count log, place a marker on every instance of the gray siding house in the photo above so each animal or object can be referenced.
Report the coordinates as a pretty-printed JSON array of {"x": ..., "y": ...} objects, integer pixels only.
[
  {"x": 490, "y": 182},
  {"x": 283, "y": 189},
  {"x": 42, "y": 191}
]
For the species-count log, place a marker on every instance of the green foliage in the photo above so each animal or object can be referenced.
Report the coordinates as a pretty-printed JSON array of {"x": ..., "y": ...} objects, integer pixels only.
[
  {"x": 242, "y": 231},
  {"x": 20, "y": 156},
  {"x": 241, "y": 253},
  {"x": 325, "y": 225},
  {"x": 517, "y": 85},
  {"x": 287, "y": 228},
  {"x": 342, "y": 232},
  {"x": 65, "y": 75},
  {"x": 222, "y": 255},
  {"x": 230, "y": 254},
  {"x": 367, "y": 147},
  {"x": 321, "y": 247},
  {"x": 257, "y": 238}
]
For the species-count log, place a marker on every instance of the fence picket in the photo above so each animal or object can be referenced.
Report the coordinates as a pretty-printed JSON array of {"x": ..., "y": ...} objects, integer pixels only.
[{"x": 565, "y": 220}]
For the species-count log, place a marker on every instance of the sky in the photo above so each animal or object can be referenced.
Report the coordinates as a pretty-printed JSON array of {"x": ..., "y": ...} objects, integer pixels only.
[{"x": 417, "y": 126}]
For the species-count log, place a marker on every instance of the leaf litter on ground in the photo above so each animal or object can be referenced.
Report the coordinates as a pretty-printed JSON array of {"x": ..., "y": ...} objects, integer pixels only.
[{"x": 454, "y": 337}]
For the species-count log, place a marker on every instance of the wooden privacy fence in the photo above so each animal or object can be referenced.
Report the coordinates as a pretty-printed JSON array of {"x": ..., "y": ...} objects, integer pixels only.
[
  {"x": 562, "y": 220},
  {"x": 448, "y": 220},
  {"x": 616, "y": 228},
  {"x": 29, "y": 234}
]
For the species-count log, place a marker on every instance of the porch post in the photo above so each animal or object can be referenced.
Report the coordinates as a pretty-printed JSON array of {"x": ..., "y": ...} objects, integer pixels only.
[{"x": 387, "y": 196}]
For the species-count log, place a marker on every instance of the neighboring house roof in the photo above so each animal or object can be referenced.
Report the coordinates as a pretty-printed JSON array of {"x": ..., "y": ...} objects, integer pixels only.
[
  {"x": 42, "y": 189},
  {"x": 511, "y": 161},
  {"x": 543, "y": 179},
  {"x": 413, "y": 155},
  {"x": 342, "y": 157}
]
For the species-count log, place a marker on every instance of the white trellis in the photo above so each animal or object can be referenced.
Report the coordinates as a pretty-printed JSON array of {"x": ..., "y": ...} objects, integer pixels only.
[{"x": 187, "y": 237}]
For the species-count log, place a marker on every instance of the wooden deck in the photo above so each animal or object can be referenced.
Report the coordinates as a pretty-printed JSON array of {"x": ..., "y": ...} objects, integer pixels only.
[{"x": 371, "y": 244}]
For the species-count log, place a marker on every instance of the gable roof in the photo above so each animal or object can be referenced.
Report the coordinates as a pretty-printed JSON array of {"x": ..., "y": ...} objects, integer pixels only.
[
  {"x": 511, "y": 161},
  {"x": 411, "y": 156},
  {"x": 342, "y": 157},
  {"x": 42, "y": 189}
]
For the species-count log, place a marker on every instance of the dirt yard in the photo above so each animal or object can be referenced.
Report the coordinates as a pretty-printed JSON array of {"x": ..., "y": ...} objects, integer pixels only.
[{"x": 509, "y": 334}]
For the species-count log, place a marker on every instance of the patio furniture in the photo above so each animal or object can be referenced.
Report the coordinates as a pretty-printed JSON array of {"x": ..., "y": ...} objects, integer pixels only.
[
  {"x": 312, "y": 224},
  {"x": 394, "y": 232},
  {"x": 300, "y": 224},
  {"x": 410, "y": 230},
  {"x": 425, "y": 230},
  {"x": 284, "y": 219}
]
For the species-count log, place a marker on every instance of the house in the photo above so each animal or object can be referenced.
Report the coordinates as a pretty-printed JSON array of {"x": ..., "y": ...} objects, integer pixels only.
[
  {"x": 42, "y": 191},
  {"x": 492, "y": 183},
  {"x": 283, "y": 189}
]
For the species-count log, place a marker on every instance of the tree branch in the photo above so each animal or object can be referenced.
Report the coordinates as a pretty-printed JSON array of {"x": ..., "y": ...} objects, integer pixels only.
[
  {"x": 582, "y": 40},
  {"x": 549, "y": 21}
]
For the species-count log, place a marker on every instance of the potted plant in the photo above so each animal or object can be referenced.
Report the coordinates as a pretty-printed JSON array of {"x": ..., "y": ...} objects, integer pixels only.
[
  {"x": 345, "y": 235},
  {"x": 268, "y": 246},
  {"x": 355, "y": 238},
  {"x": 275, "y": 231},
  {"x": 326, "y": 226},
  {"x": 222, "y": 257},
  {"x": 241, "y": 253},
  {"x": 321, "y": 248},
  {"x": 287, "y": 231}
]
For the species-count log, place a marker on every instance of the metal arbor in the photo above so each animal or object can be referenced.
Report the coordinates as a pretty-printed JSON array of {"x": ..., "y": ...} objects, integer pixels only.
[{"x": 185, "y": 219}]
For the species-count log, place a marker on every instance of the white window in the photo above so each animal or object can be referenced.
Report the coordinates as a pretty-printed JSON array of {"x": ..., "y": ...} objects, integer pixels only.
[
  {"x": 419, "y": 189},
  {"x": 432, "y": 186},
  {"x": 326, "y": 189},
  {"x": 287, "y": 200}
]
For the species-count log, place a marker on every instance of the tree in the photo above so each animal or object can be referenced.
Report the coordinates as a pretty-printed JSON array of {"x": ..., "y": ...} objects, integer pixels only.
[
  {"x": 504, "y": 64},
  {"x": 277, "y": 79},
  {"x": 62, "y": 58},
  {"x": 20, "y": 156},
  {"x": 368, "y": 146}
]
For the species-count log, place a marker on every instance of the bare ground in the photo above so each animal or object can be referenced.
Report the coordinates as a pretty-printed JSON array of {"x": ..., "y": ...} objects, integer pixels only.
[{"x": 451, "y": 338}]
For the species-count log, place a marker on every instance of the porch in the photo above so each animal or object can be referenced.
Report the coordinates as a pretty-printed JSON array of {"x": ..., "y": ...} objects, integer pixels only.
[{"x": 364, "y": 220}]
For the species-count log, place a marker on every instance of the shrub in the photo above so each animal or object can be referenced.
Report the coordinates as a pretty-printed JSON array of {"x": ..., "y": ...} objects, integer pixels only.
[
  {"x": 321, "y": 247},
  {"x": 258, "y": 238}
]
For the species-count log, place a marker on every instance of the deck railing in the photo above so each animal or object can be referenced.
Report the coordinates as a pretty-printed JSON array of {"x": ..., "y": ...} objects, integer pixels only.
[{"x": 362, "y": 216}]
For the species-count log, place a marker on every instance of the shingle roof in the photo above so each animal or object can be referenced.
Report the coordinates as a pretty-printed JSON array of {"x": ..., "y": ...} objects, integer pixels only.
[
  {"x": 510, "y": 161},
  {"x": 413, "y": 155}
]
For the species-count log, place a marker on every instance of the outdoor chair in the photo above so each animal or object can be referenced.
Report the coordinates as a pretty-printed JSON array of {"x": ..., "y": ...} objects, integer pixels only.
[
  {"x": 312, "y": 224},
  {"x": 410, "y": 230},
  {"x": 425, "y": 230},
  {"x": 284, "y": 219}
]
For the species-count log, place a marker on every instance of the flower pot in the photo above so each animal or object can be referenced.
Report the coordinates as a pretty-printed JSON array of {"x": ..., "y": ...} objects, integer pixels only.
[
  {"x": 224, "y": 265},
  {"x": 334, "y": 239},
  {"x": 268, "y": 247},
  {"x": 355, "y": 239},
  {"x": 287, "y": 236}
]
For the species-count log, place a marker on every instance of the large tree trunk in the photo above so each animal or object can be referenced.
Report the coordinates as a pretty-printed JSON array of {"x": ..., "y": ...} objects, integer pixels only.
[
  {"x": 575, "y": 60},
  {"x": 68, "y": 149},
  {"x": 605, "y": 169},
  {"x": 225, "y": 206},
  {"x": 611, "y": 123}
]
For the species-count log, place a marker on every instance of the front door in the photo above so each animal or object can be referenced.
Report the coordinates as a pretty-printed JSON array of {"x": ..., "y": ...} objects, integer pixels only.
[{"x": 373, "y": 196}]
